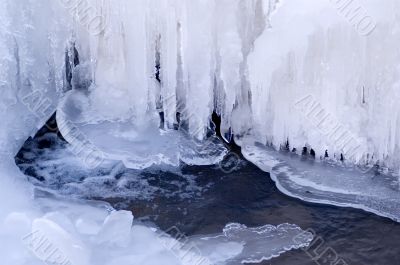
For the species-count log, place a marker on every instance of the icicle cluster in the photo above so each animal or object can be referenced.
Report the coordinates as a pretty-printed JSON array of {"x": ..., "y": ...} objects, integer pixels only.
[
  {"x": 181, "y": 58},
  {"x": 322, "y": 75}
]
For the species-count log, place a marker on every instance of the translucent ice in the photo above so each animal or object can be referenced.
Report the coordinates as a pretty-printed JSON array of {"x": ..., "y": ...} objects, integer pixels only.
[
  {"x": 324, "y": 181},
  {"x": 116, "y": 229},
  {"x": 136, "y": 66}
]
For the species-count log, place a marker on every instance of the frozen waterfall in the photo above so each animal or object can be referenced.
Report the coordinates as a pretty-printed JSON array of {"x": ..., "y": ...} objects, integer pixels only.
[{"x": 138, "y": 81}]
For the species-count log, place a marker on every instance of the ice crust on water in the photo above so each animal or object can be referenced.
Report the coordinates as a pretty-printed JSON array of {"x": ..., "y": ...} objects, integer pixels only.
[
  {"x": 247, "y": 249},
  {"x": 139, "y": 145},
  {"x": 324, "y": 181},
  {"x": 58, "y": 237},
  {"x": 55, "y": 169},
  {"x": 110, "y": 230}
]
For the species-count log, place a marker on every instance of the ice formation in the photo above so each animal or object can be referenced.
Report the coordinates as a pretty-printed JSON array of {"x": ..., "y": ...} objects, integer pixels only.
[
  {"x": 291, "y": 74},
  {"x": 313, "y": 74},
  {"x": 300, "y": 73},
  {"x": 55, "y": 169},
  {"x": 326, "y": 83},
  {"x": 46, "y": 51},
  {"x": 328, "y": 182}
]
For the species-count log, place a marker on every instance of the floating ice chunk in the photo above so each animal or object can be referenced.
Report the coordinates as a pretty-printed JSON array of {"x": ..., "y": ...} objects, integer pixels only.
[
  {"x": 327, "y": 182},
  {"x": 240, "y": 244},
  {"x": 116, "y": 229},
  {"x": 50, "y": 243}
]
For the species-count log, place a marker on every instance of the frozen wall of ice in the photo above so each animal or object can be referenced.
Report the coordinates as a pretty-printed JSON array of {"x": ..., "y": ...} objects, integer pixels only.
[
  {"x": 326, "y": 75},
  {"x": 322, "y": 74},
  {"x": 200, "y": 48},
  {"x": 31, "y": 67},
  {"x": 319, "y": 74}
]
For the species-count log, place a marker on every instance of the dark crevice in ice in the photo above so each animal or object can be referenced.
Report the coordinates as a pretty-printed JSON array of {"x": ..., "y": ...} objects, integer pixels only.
[
  {"x": 71, "y": 61},
  {"x": 231, "y": 145}
]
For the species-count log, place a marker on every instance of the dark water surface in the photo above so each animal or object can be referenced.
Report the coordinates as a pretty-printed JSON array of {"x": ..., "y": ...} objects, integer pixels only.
[{"x": 248, "y": 196}]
